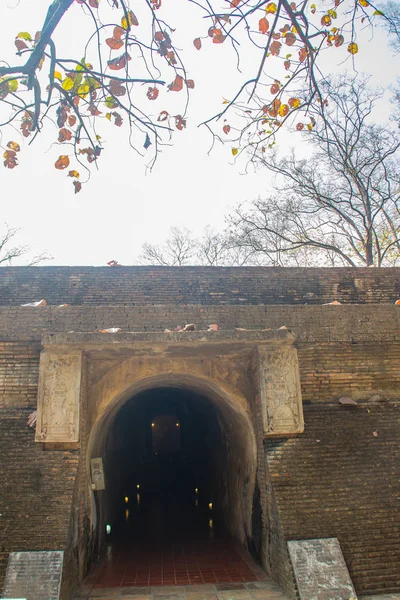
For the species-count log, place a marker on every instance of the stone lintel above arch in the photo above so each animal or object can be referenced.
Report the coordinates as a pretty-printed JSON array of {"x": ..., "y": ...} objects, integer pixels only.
[{"x": 275, "y": 381}]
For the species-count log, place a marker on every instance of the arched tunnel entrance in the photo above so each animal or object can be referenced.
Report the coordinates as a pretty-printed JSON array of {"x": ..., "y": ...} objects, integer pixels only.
[{"x": 179, "y": 503}]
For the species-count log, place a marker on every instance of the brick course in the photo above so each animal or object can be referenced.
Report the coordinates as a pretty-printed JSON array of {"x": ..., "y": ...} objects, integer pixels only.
[{"x": 129, "y": 286}]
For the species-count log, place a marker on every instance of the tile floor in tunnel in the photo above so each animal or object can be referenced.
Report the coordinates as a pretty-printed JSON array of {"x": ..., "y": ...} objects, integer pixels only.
[
  {"x": 191, "y": 562},
  {"x": 173, "y": 543}
]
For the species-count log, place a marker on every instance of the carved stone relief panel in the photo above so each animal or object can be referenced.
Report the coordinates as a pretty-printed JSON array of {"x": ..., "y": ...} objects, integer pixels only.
[
  {"x": 59, "y": 397},
  {"x": 280, "y": 392}
]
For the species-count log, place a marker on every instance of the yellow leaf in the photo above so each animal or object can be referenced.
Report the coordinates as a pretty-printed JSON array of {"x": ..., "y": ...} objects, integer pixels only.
[
  {"x": 132, "y": 20},
  {"x": 57, "y": 75},
  {"x": 235, "y": 151},
  {"x": 13, "y": 146},
  {"x": 12, "y": 85},
  {"x": 108, "y": 116},
  {"x": 225, "y": 101},
  {"x": 310, "y": 126},
  {"x": 352, "y": 48},
  {"x": 283, "y": 110},
  {"x": 294, "y": 102},
  {"x": 364, "y": 2},
  {"x": 74, "y": 174},
  {"x": 83, "y": 89},
  {"x": 67, "y": 84},
  {"x": 24, "y": 35},
  {"x": 379, "y": 13},
  {"x": 271, "y": 8}
]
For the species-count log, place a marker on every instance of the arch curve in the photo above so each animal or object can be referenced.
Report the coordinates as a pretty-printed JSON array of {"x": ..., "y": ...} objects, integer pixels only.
[{"x": 236, "y": 421}]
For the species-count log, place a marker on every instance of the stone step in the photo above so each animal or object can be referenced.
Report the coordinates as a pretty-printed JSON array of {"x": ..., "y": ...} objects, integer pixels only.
[{"x": 258, "y": 590}]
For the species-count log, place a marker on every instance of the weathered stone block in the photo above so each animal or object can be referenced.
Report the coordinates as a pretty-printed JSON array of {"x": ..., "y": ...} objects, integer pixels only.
[
  {"x": 34, "y": 575},
  {"x": 280, "y": 393},
  {"x": 59, "y": 397},
  {"x": 320, "y": 570}
]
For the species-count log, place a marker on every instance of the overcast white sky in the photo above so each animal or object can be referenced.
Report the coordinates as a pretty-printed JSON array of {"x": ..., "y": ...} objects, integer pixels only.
[{"x": 122, "y": 207}]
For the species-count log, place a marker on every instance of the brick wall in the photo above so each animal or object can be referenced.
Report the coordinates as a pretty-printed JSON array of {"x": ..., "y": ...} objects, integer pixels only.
[
  {"x": 19, "y": 370},
  {"x": 329, "y": 370},
  {"x": 128, "y": 286},
  {"x": 35, "y": 492},
  {"x": 346, "y": 485},
  {"x": 339, "y": 480},
  {"x": 310, "y": 323}
]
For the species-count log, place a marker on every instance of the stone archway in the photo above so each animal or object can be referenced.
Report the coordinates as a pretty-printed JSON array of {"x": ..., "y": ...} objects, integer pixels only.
[
  {"x": 251, "y": 378},
  {"x": 241, "y": 447}
]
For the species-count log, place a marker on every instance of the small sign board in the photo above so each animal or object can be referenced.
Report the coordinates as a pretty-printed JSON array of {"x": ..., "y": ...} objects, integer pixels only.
[
  {"x": 96, "y": 466},
  {"x": 33, "y": 575},
  {"x": 320, "y": 570}
]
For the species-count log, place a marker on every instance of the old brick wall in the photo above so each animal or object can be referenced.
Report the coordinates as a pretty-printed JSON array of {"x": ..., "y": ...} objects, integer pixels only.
[
  {"x": 339, "y": 480},
  {"x": 35, "y": 492},
  {"x": 345, "y": 485},
  {"x": 19, "y": 370},
  {"x": 129, "y": 286}
]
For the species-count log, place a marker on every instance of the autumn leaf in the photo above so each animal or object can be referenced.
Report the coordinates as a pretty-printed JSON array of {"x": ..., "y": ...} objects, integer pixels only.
[
  {"x": 177, "y": 84},
  {"x": 114, "y": 44},
  {"x": 190, "y": 83},
  {"x": 339, "y": 40},
  {"x": 116, "y": 88},
  {"x": 286, "y": 64},
  {"x": 119, "y": 63},
  {"x": 274, "y": 89},
  {"x": 180, "y": 122},
  {"x": 110, "y": 102},
  {"x": 132, "y": 20},
  {"x": 352, "y": 48},
  {"x": 20, "y": 44},
  {"x": 235, "y": 151},
  {"x": 118, "y": 32},
  {"x": 275, "y": 48},
  {"x": 68, "y": 84},
  {"x": 326, "y": 21},
  {"x": 283, "y": 110},
  {"x": 74, "y": 174},
  {"x": 163, "y": 116},
  {"x": 226, "y": 129},
  {"x": 235, "y": 3},
  {"x": 26, "y": 125},
  {"x": 274, "y": 108},
  {"x": 64, "y": 135},
  {"x": 218, "y": 37},
  {"x": 197, "y": 43},
  {"x": 13, "y": 146},
  {"x": 10, "y": 159},
  {"x": 294, "y": 102},
  {"x": 271, "y": 8},
  {"x": 290, "y": 39},
  {"x": 364, "y": 3},
  {"x": 77, "y": 186},
  {"x": 302, "y": 54},
  {"x": 263, "y": 25},
  {"x": 62, "y": 162},
  {"x": 24, "y": 35},
  {"x": 300, "y": 126},
  {"x": 152, "y": 93}
]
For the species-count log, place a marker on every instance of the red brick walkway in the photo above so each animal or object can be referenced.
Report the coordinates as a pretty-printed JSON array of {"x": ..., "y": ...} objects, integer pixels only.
[{"x": 196, "y": 562}]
